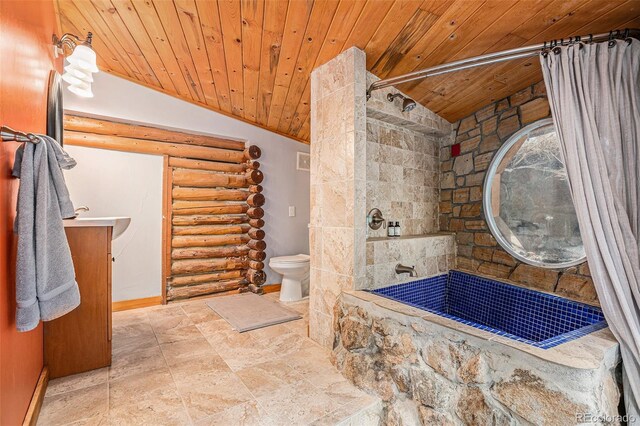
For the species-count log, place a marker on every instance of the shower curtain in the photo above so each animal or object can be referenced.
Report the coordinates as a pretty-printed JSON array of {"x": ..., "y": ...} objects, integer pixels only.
[{"x": 594, "y": 92}]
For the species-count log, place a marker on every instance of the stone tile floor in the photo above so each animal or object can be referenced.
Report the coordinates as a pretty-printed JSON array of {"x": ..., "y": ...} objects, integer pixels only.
[{"x": 181, "y": 364}]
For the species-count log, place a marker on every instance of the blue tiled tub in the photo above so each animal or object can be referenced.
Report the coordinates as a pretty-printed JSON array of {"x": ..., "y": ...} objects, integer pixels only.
[{"x": 527, "y": 316}]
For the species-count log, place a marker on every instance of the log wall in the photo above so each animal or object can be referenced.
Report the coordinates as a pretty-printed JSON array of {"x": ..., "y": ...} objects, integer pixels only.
[{"x": 213, "y": 198}]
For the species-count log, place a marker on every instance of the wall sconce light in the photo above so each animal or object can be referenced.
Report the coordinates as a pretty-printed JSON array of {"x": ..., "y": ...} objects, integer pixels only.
[{"x": 81, "y": 62}]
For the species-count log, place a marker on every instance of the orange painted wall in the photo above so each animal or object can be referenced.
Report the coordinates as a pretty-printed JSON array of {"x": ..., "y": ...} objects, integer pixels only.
[{"x": 26, "y": 57}]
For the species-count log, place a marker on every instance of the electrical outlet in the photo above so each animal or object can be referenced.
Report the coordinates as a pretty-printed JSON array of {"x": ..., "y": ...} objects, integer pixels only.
[{"x": 292, "y": 211}]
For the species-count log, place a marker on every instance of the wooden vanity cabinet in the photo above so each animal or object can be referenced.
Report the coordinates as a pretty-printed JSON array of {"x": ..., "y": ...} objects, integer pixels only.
[{"x": 81, "y": 340}]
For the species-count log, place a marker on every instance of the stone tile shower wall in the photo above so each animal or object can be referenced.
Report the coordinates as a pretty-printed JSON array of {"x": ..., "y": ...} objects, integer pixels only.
[
  {"x": 403, "y": 182},
  {"x": 337, "y": 235},
  {"x": 402, "y": 177},
  {"x": 480, "y": 136}
]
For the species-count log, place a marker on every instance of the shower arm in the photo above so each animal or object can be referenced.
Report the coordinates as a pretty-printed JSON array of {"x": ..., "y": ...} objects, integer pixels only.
[{"x": 492, "y": 58}]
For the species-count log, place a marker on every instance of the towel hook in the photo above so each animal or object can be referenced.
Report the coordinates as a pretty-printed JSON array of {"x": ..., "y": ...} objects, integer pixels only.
[{"x": 10, "y": 135}]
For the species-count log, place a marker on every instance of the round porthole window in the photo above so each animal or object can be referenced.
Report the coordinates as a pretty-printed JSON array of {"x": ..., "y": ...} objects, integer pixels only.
[{"x": 527, "y": 200}]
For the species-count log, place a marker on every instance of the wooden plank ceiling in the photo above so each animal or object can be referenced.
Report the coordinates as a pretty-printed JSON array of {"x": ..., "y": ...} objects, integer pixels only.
[{"x": 251, "y": 59}]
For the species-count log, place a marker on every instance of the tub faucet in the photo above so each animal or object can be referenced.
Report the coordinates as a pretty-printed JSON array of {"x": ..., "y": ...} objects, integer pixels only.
[
  {"x": 81, "y": 209},
  {"x": 401, "y": 269}
]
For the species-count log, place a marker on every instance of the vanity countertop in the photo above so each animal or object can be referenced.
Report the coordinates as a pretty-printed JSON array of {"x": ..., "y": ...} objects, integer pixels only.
[
  {"x": 91, "y": 221},
  {"x": 119, "y": 224}
]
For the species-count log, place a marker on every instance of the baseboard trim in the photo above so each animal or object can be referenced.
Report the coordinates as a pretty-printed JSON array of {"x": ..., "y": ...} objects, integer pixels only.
[
  {"x": 125, "y": 305},
  {"x": 271, "y": 288},
  {"x": 33, "y": 412}
]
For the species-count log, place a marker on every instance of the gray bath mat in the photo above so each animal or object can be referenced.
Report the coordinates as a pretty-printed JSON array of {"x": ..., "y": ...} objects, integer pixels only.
[{"x": 248, "y": 311}]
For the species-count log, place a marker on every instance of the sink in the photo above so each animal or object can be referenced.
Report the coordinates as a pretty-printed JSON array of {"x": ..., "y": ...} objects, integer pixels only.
[{"x": 119, "y": 224}]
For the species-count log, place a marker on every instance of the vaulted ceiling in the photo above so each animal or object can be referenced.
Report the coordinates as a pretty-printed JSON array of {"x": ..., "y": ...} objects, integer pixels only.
[{"x": 252, "y": 58}]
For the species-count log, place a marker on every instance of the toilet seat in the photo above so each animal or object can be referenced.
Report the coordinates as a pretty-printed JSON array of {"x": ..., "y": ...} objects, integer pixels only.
[{"x": 297, "y": 258}]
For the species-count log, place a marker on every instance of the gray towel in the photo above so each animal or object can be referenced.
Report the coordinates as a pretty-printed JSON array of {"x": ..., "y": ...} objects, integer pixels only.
[{"x": 46, "y": 287}]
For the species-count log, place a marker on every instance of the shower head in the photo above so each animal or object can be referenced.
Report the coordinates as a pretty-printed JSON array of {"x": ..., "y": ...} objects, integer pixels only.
[{"x": 407, "y": 103}]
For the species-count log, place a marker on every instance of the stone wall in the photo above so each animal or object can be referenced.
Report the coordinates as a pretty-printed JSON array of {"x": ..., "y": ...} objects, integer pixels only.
[
  {"x": 337, "y": 234},
  {"x": 480, "y": 135},
  {"x": 432, "y": 375}
]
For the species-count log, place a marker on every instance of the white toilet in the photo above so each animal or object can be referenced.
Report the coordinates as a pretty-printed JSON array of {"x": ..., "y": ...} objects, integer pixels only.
[{"x": 295, "y": 275}]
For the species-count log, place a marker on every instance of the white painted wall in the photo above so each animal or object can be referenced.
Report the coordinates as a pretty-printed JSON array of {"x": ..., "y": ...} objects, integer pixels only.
[
  {"x": 284, "y": 186},
  {"x": 113, "y": 183}
]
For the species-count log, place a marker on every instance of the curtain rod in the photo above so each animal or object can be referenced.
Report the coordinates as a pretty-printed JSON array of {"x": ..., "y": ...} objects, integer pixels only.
[{"x": 492, "y": 58}]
